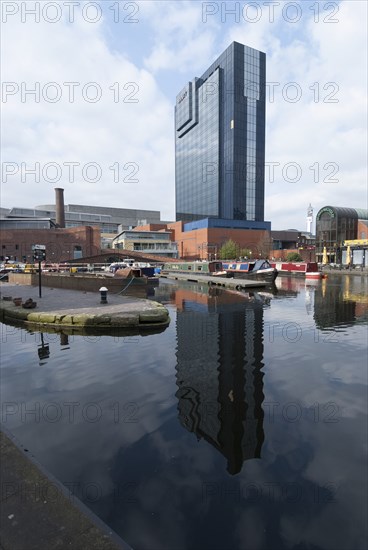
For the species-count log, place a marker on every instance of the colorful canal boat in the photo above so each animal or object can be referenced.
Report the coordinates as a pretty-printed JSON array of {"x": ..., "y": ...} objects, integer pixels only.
[
  {"x": 260, "y": 270},
  {"x": 303, "y": 269}
]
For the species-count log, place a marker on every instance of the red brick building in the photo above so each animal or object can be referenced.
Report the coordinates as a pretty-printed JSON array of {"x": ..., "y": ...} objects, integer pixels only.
[
  {"x": 205, "y": 243},
  {"x": 61, "y": 244}
]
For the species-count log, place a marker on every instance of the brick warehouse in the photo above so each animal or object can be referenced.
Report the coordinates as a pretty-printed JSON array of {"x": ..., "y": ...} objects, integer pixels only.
[{"x": 62, "y": 244}]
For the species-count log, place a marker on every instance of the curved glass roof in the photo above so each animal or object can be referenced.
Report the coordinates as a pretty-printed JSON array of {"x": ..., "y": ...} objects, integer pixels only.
[
  {"x": 362, "y": 213},
  {"x": 356, "y": 213}
]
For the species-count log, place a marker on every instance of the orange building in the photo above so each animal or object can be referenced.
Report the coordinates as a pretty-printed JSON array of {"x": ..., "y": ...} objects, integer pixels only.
[{"x": 204, "y": 243}]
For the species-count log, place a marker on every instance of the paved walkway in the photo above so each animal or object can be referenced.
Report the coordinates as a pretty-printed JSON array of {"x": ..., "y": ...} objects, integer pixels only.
[
  {"x": 336, "y": 271},
  {"x": 59, "y": 298},
  {"x": 77, "y": 309},
  {"x": 38, "y": 513}
]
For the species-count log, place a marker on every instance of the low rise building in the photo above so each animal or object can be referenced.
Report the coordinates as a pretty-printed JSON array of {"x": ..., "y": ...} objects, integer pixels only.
[
  {"x": 334, "y": 226},
  {"x": 292, "y": 240},
  {"x": 68, "y": 228},
  {"x": 108, "y": 219},
  {"x": 61, "y": 244},
  {"x": 202, "y": 239},
  {"x": 355, "y": 252},
  {"x": 150, "y": 242}
]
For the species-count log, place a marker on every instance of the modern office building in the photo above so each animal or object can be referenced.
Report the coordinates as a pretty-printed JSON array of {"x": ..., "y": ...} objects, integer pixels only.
[
  {"x": 155, "y": 243},
  {"x": 220, "y": 141}
]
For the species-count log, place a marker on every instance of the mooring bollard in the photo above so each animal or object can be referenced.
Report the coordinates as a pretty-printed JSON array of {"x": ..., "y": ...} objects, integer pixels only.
[{"x": 103, "y": 291}]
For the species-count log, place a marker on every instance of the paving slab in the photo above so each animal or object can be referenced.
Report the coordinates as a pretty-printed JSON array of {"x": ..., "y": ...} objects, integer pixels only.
[{"x": 38, "y": 512}]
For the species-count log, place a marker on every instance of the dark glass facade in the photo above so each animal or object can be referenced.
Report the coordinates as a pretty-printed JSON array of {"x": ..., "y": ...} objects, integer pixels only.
[
  {"x": 334, "y": 225},
  {"x": 220, "y": 375},
  {"x": 220, "y": 139}
]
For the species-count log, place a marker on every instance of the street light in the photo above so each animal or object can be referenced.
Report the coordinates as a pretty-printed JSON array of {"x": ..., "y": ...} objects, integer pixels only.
[{"x": 43, "y": 349}]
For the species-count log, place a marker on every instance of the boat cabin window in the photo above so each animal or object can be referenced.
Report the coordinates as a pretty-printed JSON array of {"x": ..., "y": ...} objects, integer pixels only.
[
  {"x": 261, "y": 264},
  {"x": 214, "y": 266}
]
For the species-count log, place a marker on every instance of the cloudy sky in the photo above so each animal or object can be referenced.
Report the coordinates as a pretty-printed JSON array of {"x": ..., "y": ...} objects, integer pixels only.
[{"x": 89, "y": 90}]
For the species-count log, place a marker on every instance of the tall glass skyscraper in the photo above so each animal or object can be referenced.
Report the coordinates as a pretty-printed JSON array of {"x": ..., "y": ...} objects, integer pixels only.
[{"x": 220, "y": 139}]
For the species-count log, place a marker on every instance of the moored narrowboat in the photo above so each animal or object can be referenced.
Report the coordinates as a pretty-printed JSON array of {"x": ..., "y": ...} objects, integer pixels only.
[
  {"x": 213, "y": 268},
  {"x": 260, "y": 270},
  {"x": 296, "y": 268}
]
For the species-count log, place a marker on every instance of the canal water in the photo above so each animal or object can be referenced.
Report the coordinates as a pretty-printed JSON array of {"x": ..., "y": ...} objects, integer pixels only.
[{"x": 241, "y": 426}]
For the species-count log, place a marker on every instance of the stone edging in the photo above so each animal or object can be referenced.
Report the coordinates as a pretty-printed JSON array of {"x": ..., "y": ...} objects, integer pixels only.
[
  {"x": 46, "y": 510},
  {"x": 156, "y": 316}
]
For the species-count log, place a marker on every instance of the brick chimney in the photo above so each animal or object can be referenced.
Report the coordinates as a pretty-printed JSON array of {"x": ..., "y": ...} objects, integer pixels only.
[{"x": 59, "y": 200}]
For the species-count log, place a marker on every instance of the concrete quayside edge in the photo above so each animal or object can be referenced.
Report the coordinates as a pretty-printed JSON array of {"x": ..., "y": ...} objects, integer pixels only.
[
  {"x": 37, "y": 511},
  {"x": 120, "y": 313}
]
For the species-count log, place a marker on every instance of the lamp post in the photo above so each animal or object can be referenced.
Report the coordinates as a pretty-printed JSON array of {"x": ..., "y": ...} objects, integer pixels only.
[
  {"x": 39, "y": 255},
  {"x": 43, "y": 350}
]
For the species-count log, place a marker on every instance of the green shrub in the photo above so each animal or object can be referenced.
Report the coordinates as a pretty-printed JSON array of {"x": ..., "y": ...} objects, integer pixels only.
[{"x": 294, "y": 257}]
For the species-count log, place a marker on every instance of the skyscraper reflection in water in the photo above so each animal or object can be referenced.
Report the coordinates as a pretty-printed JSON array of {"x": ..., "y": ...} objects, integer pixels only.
[{"x": 219, "y": 372}]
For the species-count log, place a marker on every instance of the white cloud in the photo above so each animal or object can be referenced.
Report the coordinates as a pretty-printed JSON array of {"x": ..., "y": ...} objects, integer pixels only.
[
  {"x": 328, "y": 63},
  {"x": 130, "y": 123},
  {"x": 175, "y": 43},
  {"x": 182, "y": 41}
]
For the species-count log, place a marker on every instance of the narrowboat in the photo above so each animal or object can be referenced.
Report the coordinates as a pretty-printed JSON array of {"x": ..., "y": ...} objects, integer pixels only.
[
  {"x": 304, "y": 269},
  {"x": 135, "y": 271},
  {"x": 260, "y": 270},
  {"x": 144, "y": 267},
  {"x": 213, "y": 268}
]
